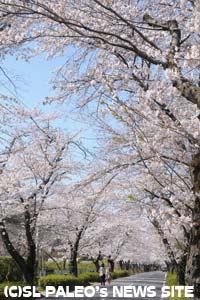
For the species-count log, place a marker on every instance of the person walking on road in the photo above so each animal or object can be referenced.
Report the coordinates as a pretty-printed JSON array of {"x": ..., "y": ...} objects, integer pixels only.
[
  {"x": 108, "y": 275},
  {"x": 102, "y": 274}
]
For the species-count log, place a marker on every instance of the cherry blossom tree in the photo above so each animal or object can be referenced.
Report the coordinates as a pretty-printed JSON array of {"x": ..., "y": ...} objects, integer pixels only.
[
  {"x": 160, "y": 182},
  {"x": 38, "y": 160},
  {"x": 136, "y": 57},
  {"x": 77, "y": 212}
]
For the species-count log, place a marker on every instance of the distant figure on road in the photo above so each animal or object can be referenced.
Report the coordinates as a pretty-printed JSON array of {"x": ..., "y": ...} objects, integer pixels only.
[
  {"x": 108, "y": 275},
  {"x": 102, "y": 274}
]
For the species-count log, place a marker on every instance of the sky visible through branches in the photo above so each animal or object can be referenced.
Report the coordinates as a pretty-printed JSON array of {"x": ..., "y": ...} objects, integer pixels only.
[{"x": 32, "y": 86}]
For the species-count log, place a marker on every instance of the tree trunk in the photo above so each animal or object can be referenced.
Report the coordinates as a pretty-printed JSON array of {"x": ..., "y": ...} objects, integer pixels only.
[
  {"x": 73, "y": 268},
  {"x": 96, "y": 263},
  {"x": 27, "y": 266},
  {"x": 181, "y": 269},
  {"x": 31, "y": 257},
  {"x": 166, "y": 244},
  {"x": 193, "y": 261},
  {"x": 29, "y": 275},
  {"x": 74, "y": 251}
]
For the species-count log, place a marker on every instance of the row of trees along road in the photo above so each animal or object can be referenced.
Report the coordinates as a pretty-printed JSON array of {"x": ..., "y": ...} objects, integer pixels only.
[
  {"x": 34, "y": 157},
  {"x": 44, "y": 210},
  {"x": 141, "y": 63}
]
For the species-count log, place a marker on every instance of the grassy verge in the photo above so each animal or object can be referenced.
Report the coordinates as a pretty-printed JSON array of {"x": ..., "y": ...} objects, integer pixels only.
[
  {"x": 82, "y": 266},
  {"x": 4, "y": 284},
  {"x": 83, "y": 279},
  {"x": 171, "y": 280}
]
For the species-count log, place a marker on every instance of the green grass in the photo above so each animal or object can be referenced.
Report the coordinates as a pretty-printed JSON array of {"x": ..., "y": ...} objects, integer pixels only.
[
  {"x": 4, "y": 284},
  {"x": 83, "y": 279},
  {"x": 171, "y": 280},
  {"x": 82, "y": 266},
  {"x": 86, "y": 267}
]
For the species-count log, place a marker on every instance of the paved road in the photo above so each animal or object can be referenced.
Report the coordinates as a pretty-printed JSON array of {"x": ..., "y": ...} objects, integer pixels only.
[{"x": 155, "y": 279}]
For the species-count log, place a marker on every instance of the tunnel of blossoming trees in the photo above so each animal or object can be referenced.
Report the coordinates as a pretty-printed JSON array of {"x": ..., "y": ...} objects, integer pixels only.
[{"x": 100, "y": 139}]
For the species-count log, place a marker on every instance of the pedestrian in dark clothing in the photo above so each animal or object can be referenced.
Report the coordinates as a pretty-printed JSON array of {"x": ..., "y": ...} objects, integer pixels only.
[
  {"x": 102, "y": 274},
  {"x": 111, "y": 263}
]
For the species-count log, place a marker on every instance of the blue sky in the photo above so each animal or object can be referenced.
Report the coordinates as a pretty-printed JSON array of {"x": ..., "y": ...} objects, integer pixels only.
[
  {"x": 32, "y": 78},
  {"x": 32, "y": 82}
]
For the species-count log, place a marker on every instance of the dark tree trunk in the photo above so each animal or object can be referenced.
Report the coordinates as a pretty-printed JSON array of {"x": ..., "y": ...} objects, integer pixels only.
[
  {"x": 75, "y": 248},
  {"x": 166, "y": 244},
  {"x": 29, "y": 275},
  {"x": 172, "y": 267},
  {"x": 74, "y": 253},
  {"x": 64, "y": 263},
  {"x": 193, "y": 261},
  {"x": 31, "y": 257},
  {"x": 73, "y": 268},
  {"x": 181, "y": 269},
  {"x": 96, "y": 263},
  {"x": 27, "y": 266}
]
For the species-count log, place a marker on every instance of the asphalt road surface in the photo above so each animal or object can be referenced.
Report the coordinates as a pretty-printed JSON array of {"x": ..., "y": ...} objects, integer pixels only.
[{"x": 142, "y": 281}]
